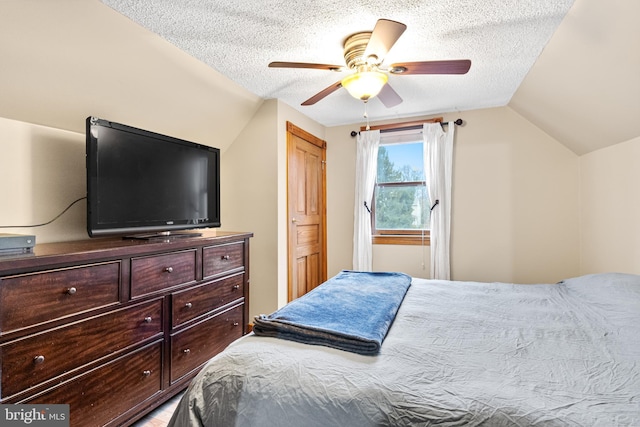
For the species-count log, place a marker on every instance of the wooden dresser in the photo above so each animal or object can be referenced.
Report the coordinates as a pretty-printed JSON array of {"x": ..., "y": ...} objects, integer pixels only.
[{"x": 116, "y": 327}]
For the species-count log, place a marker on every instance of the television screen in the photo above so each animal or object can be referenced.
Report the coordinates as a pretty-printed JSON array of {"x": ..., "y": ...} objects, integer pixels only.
[{"x": 143, "y": 183}]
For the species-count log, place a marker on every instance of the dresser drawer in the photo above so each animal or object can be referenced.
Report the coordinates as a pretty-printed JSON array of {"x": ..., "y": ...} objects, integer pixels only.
[
  {"x": 193, "y": 346},
  {"x": 40, "y": 357},
  {"x": 158, "y": 272},
  {"x": 194, "y": 302},
  {"x": 34, "y": 298},
  {"x": 103, "y": 394},
  {"x": 221, "y": 259}
]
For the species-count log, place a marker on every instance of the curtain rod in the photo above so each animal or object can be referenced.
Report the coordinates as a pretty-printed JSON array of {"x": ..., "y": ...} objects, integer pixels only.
[{"x": 412, "y": 125}]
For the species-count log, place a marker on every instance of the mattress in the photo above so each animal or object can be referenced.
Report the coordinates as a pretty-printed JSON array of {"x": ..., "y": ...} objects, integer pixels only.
[{"x": 457, "y": 354}]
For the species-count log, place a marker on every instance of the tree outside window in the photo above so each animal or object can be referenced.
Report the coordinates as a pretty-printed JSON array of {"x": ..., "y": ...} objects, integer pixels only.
[{"x": 401, "y": 202}]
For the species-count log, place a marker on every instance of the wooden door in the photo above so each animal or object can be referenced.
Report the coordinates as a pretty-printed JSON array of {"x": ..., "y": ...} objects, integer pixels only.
[{"x": 306, "y": 197}]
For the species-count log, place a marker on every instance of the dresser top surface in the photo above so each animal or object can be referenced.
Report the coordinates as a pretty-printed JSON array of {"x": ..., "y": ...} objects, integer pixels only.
[{"x": 110, "y": 247}]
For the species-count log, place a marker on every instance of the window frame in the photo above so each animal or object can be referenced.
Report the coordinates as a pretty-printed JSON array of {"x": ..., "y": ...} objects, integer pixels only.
[{"x": 399, "y": 237}]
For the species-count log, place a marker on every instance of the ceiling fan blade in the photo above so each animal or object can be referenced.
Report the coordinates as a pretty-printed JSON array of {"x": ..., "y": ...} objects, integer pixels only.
[
  {"x": 280, "y": 64},
  {"x": 456, "y": 66},
  {"x": 389, "y": 97},
  {"x": 385, "y": 34},
  {"x": 323, "y": 93}
]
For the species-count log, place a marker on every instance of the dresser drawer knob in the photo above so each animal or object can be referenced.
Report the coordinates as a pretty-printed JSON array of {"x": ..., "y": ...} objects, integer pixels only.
[
  {"x": 168, "y": 269},
  {"x": 148, "y": 319},
  {"x": 236, "y": 287},
  {"x": 235, "y": 323},
  {"x": 188, "y": 305},
  {"x": 38, "y": 359},
  {"x": 225, "y": 257},
  {"x": 72, "y": 290},
  {"x": 186, "y": 351},
  {"x": 146, "y": 373}
]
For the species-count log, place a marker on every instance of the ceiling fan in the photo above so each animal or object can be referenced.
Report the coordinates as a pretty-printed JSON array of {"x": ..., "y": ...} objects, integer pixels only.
[{"x": 364, "y": 53}]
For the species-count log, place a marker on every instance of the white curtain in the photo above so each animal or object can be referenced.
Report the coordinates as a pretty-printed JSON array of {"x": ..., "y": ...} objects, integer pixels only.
[
  {"x": 438, "y": 167},
  {"x": 366, "y": 168}
]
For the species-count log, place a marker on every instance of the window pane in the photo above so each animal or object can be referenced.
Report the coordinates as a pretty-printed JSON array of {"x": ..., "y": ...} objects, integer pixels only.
[
  {"x": 402, "y": 207},
  {"x": 400, "y": 163}
]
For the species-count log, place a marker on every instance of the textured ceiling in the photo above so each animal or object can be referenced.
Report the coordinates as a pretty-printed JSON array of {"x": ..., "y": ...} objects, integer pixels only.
[{"x": 239, "y": 39}]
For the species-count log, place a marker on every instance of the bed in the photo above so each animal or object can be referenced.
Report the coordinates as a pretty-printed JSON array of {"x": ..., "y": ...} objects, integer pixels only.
[{"x": 456, "y": 354}]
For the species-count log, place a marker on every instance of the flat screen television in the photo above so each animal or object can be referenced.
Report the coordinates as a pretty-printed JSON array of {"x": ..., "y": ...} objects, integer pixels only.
[{"x": 141, "y": 184}]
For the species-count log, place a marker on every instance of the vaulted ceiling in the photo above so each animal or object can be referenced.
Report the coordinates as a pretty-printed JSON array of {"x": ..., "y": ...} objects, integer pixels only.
[
  {"x": 565, "y": 79},
  {"x": 584, "y": 89},
  {"x": 199, "y": 67},
  {"x": 240, "y": 38}
]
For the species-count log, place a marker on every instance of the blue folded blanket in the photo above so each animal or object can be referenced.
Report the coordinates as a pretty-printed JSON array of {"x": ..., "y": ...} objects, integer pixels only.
[{"x": 352, "y": 311}]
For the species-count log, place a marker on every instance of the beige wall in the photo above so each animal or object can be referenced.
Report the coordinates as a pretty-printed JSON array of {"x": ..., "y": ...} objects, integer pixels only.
[
  {"x": 516, "y": 199},
  {"x": 515, "y": 204},
  {"x": 516, "y": 189},
  {"x": 341, "y": 160},
  {"x": 42, "y": 171},
  {"x": 254, "y": 198},
  {"x": 610, "y": 214},
  {"x": 249, "y": 189},
  {"x": 64, "y": 60}
]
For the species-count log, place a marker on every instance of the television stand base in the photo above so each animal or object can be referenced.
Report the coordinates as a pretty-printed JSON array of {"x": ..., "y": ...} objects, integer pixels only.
[{"x": 163, "y": 235}]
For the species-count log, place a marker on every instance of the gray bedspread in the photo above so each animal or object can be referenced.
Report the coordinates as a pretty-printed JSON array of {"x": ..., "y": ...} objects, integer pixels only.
[{"x": 457, "y": 354}]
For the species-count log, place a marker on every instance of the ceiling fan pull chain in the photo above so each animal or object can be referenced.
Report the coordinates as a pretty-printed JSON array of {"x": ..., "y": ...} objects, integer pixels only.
[{"x": 366, "y": 116}]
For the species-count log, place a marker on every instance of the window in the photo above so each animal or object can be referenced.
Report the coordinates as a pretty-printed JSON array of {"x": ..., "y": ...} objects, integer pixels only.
[{"x": 401, "y": 204}]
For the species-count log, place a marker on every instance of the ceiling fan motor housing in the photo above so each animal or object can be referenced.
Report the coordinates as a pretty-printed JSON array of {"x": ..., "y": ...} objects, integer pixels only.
[
  {"x": 354, "y": 48},
  {"x": 364, "y": 53}
]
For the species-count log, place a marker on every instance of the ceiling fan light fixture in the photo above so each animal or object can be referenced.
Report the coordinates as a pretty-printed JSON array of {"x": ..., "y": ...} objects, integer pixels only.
[{"x": 365, "y": 85}]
